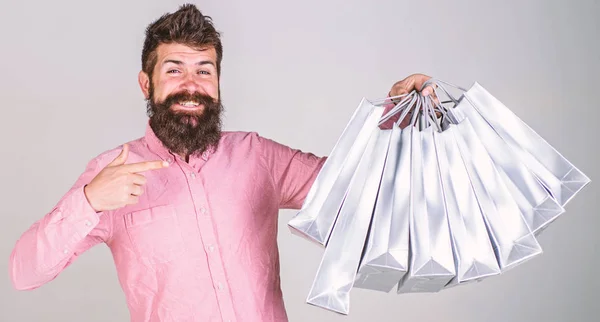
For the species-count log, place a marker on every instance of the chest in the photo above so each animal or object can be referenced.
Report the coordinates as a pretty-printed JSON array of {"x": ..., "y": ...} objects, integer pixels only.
[{"x": 187, "y": 210}]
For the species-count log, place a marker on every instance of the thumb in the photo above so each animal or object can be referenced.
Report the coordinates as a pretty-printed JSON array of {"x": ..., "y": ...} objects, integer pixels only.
[{"x": 122, "y": 157}]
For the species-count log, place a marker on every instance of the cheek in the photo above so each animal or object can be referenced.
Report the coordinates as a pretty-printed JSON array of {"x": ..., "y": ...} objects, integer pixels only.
[
  {"x": 163, "y": 89},
  {"x": 212, "y": 89}
]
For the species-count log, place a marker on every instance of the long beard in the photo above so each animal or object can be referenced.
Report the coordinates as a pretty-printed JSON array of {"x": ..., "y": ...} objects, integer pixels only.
[{"x": 186, "y": 132}]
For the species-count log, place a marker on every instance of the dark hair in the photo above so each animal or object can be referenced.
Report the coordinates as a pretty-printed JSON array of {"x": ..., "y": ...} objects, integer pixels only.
[{"x": 187, "y": 26}]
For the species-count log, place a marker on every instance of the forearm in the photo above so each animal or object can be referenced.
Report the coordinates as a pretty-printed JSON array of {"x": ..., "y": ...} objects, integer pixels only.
[{"x": 53, "y": 242}]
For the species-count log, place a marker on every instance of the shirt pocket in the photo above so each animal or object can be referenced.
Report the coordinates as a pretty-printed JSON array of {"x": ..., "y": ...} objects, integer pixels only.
[{"x": 155, "y": 234}]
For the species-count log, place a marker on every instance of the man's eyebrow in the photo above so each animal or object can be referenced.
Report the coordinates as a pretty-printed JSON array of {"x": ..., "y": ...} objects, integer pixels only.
[
  {"x": 205, "y": 62},
  {"x": 179, "y": 62},
  {"x": 173, "y": 61}
]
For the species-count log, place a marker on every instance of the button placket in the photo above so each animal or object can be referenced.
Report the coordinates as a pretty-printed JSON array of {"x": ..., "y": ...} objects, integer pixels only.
[{"x": 208, "y": 237}]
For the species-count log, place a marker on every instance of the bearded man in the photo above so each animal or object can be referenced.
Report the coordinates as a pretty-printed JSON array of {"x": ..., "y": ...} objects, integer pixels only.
[{"x": 188, "y": 211}]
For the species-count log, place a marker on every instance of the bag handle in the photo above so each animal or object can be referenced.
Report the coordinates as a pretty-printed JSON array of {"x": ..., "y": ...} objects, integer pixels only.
[
  {"x": 422, "y": 106},
  {"x": 437, "y": 85},
  {"x": 429, "y": 113},
  {"x": 440, "y": 84},
  {"x": 381, "y": 101},
  {"x": 404, "y": 106}
]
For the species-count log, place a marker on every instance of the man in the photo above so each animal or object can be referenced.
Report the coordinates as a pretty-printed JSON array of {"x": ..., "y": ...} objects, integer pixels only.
[{"x": 189, "y": 212}]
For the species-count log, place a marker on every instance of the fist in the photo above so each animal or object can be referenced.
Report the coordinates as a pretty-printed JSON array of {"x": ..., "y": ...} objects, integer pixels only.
[
  {"x": 411, "y": 83},
  {"x": 119, "y": 184}
]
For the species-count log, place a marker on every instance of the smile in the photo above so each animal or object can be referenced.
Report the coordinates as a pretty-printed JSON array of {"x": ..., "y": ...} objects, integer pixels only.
[{"x": 188, "y": 105}]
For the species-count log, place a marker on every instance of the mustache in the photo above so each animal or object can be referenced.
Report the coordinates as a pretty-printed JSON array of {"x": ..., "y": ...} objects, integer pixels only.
[{"x": 200, "y": 98}]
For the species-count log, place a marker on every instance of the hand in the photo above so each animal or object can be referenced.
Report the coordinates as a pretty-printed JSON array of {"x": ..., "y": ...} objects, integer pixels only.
[
  {"x": 119, "y": 184},
  {"x": 411, "y": 83}
]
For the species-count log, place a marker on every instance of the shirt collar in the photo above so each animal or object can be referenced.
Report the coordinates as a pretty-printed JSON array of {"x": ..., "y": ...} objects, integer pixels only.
[{"x": 156, "y": 146}]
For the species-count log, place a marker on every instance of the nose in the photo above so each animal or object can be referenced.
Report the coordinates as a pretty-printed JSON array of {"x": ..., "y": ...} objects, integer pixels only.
[{"x": 190, "y": 84}]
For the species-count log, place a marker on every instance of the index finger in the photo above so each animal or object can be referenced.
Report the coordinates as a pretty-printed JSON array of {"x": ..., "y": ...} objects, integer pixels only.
[{"x": 144, "y": 166}]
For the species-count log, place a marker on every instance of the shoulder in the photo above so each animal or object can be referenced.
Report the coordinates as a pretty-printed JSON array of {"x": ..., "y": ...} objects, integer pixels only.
[
  {"x": 137, "y": 151},
  {"x": 238, "y": 139},
  {"x": 239, "y": 136},
  {"x": 251, "y": 139}
]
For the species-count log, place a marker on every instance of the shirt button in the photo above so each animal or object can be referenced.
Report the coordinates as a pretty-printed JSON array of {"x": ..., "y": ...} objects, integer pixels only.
[
  {"x": 211, "y": 248},
  {"x": 192, "y": 174},
  {"x": 205, "y": 155},
  {"x": 220, "y": 286},
  {"x": 203, "y": 210},
  {"x": 88, "y": 223},
  {"x": 169, "y": 160},
  {"x": 65, "y": 251}
]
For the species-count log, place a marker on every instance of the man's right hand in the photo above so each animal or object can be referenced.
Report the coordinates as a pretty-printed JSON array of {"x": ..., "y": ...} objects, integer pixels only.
[{"x": 119, "y": 184}]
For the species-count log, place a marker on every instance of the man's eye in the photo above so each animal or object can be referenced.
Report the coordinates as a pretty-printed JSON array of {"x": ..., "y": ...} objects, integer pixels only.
[
  {"x": 203, "y": 72},
  {"x": 172, "y": 71}
]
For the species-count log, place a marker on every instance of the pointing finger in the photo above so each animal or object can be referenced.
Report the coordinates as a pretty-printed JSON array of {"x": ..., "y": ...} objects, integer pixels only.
[{"x": 144, "y": 166}]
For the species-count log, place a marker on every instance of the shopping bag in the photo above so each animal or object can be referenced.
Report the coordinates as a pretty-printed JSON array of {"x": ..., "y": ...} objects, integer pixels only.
[
  {"x": 474, "y": 255},
  {"x": 557, "y": 174},
  {"x": 317, "y": 216},
  {"x": 336, "y": 274},
  {"x": 431, "y": 259},
  {"x": 513, "y": 241},
  {"x": 385, "y": 259},
  {"x": 537, "y": 206}
]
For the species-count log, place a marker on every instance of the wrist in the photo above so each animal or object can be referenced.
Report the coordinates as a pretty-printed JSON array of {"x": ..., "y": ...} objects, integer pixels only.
[{"x": 87, "y": 198}]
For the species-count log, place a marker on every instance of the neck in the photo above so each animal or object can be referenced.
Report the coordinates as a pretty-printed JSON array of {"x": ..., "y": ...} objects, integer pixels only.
[{"x": 184, "y": 156}]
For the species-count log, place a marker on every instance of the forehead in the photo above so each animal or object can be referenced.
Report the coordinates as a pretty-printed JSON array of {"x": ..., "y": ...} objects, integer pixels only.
[{"x": 185, "y": 53}]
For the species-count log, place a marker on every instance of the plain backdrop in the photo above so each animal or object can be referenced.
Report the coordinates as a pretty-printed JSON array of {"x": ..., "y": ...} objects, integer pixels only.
[{"x": 295, "y": 71}]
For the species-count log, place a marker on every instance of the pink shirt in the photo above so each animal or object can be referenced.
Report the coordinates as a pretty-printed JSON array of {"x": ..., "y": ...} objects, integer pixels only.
[{"x": 201, "y": 244}]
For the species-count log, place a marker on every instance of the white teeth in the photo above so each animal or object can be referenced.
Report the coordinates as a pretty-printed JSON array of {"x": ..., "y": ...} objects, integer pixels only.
[{"x": 188, "y": 103}]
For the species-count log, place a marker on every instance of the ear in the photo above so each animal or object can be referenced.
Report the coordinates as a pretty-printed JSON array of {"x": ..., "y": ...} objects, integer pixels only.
[{"x": 144, "y": 82}]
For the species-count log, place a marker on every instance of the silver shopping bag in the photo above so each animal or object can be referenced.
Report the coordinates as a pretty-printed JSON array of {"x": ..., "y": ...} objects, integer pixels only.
[
  {"x": 513, "y": 241},
  {"x": 537, "y": 205},
  {"x": 320, "y": 209},
  {"x": 474, "y": 255},
  {"x": 339, "y": 264},
  {"x": 385, "y": 259},
  {"x": 558, "y": 175},
  {"x": 431, "y": 260}
]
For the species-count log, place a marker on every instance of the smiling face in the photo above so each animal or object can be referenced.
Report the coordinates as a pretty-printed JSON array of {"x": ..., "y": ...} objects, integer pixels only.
[
  {"x": 182, "y": 94},
  {"x": 181, "y": 69}
]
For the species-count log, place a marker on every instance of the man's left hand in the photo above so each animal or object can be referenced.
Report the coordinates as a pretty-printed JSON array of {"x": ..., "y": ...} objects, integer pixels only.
[{"x": 411, "y": 83}]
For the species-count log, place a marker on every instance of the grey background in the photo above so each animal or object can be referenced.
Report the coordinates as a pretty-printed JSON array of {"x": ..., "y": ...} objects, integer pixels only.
[{"x": 295, "y": 71}]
